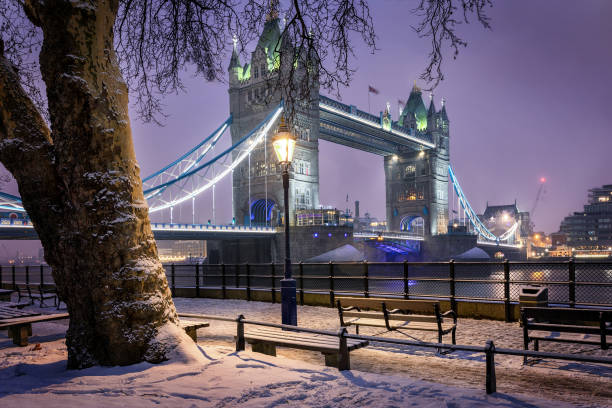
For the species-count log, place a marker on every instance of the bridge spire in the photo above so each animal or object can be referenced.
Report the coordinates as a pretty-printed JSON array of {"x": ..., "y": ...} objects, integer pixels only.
[{"x": 273, "y": 12}]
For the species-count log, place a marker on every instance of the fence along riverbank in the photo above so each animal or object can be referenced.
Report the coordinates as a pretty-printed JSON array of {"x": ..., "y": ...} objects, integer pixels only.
[{"x": 472, "y": 289}]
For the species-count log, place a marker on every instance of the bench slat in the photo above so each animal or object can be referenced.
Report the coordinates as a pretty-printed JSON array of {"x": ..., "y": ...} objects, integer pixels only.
[
  {"x": 392, "y": 316},
  {"x": 566, "y": 328},
  {"x": 308, "y": 342},
  {"x": 402, "y": 325},
  {"x": 197, "y": 325},
  {"x": 561, "y": 314},
  {"x": 33, "y": 319},
  {"x": 418, "y": 306},
  {"x": 322, "y": 339},
  {"x": 566, "y": 340}
]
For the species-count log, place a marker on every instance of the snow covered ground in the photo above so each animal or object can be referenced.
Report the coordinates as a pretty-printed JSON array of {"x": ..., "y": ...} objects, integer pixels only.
[{"x": 382, "y": 375}]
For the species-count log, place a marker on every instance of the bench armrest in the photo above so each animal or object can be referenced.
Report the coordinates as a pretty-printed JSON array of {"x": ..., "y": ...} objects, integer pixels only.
[{"x": 450, "y": 313}]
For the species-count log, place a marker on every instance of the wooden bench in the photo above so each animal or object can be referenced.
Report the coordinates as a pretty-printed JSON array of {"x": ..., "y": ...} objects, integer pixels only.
[
  {"x": 396, "y": 314},
  {"x": 265, "y": 340},
  {"x": 20, "y": 328},
  {"x": 192, "y": 327},
  {"x": 565, "y": 320},
  {"x": 37, "y": 292}
]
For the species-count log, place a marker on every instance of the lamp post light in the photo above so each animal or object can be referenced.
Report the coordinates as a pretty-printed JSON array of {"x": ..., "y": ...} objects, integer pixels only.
[{"x": 284, "y": 144}]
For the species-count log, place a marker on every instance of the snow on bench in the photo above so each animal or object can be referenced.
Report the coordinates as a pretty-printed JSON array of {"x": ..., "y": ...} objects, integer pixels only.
[{"x": 265, "y": 340}]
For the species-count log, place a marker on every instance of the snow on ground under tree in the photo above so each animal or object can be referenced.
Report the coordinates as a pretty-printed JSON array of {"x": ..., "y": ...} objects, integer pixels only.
[{"x": 381, "y": 376}]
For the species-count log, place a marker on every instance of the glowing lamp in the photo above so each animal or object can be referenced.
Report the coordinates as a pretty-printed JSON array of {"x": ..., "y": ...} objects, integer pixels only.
[{"x": 284, "y": 143}]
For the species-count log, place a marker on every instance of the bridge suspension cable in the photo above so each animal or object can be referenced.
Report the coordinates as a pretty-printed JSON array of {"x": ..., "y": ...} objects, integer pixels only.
[
  {"x": 198, "y": 179},
  {"x": 475, "y": 221}
]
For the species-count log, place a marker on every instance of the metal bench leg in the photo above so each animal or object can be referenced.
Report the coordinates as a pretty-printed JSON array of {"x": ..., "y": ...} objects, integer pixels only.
[
  {"x": 20, "y": 334},
  {"x": 264, "y": 348},
  {"x": 338, "y": 361}
]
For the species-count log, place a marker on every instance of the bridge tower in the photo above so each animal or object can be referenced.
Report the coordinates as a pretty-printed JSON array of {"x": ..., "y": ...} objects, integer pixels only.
[
  {"x": 417, "y": 181},
  {"x": 257, "y": 185}
]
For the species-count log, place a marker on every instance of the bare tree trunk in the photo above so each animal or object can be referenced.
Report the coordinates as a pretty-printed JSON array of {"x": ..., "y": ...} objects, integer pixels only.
[{"x": 81, "y": 186}]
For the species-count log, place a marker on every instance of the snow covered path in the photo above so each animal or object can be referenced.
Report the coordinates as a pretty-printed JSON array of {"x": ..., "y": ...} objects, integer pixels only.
[{"x": 382, "y": 375}]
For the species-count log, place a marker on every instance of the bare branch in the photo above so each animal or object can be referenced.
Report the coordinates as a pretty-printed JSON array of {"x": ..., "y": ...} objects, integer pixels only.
[{"x": 439, "y": 23}]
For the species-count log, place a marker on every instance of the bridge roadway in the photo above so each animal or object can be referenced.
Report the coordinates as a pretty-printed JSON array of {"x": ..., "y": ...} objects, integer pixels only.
[
  {"x": 15, "y": 230},
  {"x": 24, "y": 230}
]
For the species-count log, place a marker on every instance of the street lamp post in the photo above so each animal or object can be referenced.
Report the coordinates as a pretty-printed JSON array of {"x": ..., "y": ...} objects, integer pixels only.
[{"x": 284, "y": 144}]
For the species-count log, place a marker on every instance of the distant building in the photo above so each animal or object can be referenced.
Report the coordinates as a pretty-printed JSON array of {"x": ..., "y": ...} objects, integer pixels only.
[
  {"x": 323, "y": 216},
  {"x": 591, "y": 229},
  {"x": 500, "y": 218}
]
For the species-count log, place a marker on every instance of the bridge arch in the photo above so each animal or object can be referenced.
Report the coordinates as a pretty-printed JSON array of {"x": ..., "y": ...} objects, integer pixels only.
[
  {"x": 414, "y": 224},
  {"x": 261, "y": 211}
]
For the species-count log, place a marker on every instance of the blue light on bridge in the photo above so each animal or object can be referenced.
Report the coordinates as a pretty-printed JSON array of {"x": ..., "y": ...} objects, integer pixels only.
[{"x": 316, "y": 235}]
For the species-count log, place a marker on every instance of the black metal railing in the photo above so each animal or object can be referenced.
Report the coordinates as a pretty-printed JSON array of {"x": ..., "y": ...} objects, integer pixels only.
[
  {"x": 489, "y": 349},
  {"x": 569, "y": 283}
]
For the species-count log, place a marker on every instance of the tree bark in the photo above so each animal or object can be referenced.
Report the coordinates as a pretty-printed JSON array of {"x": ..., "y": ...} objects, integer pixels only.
[{"x": 81, "y": 186}]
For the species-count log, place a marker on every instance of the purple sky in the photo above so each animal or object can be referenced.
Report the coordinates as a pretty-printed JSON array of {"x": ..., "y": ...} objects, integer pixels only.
[{"x": 528, "y": 99}]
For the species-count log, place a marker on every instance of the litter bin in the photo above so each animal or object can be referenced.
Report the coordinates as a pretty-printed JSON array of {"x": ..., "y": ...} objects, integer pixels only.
[{"x": 533, "y": 296}]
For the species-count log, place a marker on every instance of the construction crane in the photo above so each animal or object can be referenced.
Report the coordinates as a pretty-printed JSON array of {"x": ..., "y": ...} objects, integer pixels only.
[{"x": 539, "y": 195}]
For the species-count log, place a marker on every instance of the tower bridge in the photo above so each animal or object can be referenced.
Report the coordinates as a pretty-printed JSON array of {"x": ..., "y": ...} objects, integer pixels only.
[{"x": 415, "y": 148}]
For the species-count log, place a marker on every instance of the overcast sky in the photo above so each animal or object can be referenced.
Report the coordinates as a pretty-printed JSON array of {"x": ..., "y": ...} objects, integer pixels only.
[{"x": 528, "y": 99}]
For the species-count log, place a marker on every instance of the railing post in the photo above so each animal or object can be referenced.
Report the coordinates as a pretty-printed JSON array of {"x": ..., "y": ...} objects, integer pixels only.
[
  {"x": 331, "y": 284},
  {"x": 173, "y": 280},
  {"x": 491, "y": 384},
  {"x": 240, "y": 343},
  {"x": 0, "y": 276},
  {"x": 301, "y": 283},
  {"x": 273, "y": 273},
  {"x": 41, "y": 276},
  {"x": 237, "y": 277},
  {"x": 27, "y": 274},
  {"x": 13, "y": 276},
  {"x": 197, "y": 280},
  {"x": 572, "y": 282},
  {"x": 507, "y": 290},
  {"x": 223, "y": 285},
  {"x": 248, "y": 281},
  {"x": 451, "y": 273},
  {"x": 406, "y": 293},
  {"x": 366, "y": 280}
]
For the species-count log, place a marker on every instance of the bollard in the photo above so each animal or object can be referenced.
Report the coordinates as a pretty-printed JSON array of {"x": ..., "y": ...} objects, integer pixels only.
[
  {"x": 240, "y": 343},
  {"x": 13, "y": 273},
  {"x": 41, "y": 277},
  {"x": 491, "y": 384}
]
